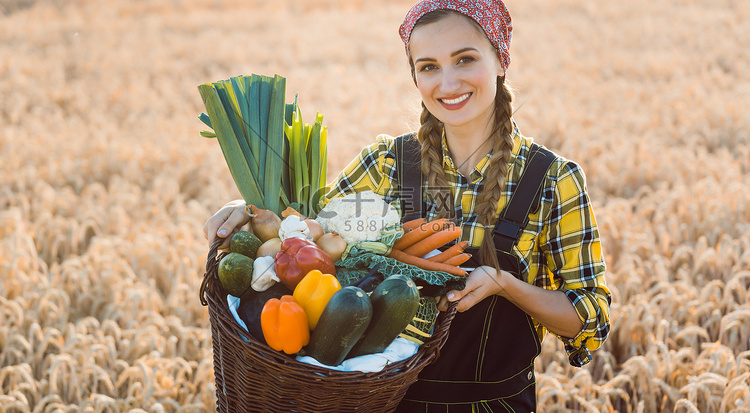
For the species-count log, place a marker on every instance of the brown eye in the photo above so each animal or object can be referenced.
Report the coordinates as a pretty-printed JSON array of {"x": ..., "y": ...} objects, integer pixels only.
[{"x": 427, "y": 68}]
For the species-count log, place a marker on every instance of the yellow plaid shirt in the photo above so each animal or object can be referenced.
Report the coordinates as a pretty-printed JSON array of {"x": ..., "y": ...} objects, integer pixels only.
[{"x": 559, "y": 249}]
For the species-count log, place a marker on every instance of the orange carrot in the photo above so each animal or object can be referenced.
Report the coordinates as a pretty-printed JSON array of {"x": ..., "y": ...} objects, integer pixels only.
[
  {"x": 426, "y": 265},
  {"x": 458, "y": 259},
  {"x": 414, "y": 223},
  {"x": 436, "y": 240},
  {"x": 419, "y": 233},
  {"x": 452, "y": 251}
]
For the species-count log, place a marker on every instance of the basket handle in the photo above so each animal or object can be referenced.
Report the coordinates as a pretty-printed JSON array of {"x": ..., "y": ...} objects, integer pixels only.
[
  {"x": 211, "y": 263},
  {"x": 443, "y": 329}
]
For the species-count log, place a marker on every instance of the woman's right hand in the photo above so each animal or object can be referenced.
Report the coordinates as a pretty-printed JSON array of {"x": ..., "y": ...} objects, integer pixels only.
[{"x": 226, "y": 222}]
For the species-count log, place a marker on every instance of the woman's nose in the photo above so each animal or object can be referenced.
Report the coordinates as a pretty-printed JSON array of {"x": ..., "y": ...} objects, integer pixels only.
[{"x": 449, "y": 81}]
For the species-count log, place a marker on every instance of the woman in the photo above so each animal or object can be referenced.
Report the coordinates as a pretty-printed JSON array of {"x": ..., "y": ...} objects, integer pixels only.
[{"x": 545, "y": 274}]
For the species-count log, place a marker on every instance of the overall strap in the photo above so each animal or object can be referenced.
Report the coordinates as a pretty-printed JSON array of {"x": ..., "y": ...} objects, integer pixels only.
[
  {"x": 408, "y": 166},
  {"x": 515, "y": 216}
]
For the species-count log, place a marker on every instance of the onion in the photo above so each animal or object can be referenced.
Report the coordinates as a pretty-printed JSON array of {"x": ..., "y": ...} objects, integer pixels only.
[
  {"x": 264, "y": 222},
  {"x": 290, "y": 211},
  {"x": 316, "y": 230},
  {"x": 269, "y": 248},
  {"x": 332, "y": 244}
]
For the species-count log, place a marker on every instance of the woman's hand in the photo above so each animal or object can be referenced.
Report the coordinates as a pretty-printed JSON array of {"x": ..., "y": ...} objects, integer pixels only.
[
  {"x": 226, "y": 222},
  {"x": 551, "y": 308},
  {"x": 481, "y": 283}
]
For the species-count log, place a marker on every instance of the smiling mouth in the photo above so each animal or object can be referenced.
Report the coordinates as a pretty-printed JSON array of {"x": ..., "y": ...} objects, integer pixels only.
[{"x": 456, "y": 100}]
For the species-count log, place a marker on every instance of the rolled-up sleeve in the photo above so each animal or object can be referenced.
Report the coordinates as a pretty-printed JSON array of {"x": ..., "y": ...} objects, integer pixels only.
[{"x": 573, "y": 252}]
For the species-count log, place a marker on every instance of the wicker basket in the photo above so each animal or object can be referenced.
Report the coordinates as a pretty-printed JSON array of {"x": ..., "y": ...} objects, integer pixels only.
[{"x": 250, "y": 376}]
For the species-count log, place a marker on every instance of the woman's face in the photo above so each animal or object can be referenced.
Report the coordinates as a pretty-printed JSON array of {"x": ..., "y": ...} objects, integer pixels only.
[{"x": 456, "y": 69}]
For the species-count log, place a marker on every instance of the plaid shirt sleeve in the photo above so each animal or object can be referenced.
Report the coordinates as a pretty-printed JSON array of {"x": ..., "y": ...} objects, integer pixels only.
[{"x": 573, "y": 253}]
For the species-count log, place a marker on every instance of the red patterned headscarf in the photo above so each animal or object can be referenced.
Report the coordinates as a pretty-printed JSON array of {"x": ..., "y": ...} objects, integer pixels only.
[{"x": 491, "y": 15}]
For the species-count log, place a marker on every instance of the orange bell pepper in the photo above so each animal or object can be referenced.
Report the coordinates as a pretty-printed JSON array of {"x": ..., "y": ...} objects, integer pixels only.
[
  {"x": 284, "y": 324},
  {"x": 313, "y": 293}
]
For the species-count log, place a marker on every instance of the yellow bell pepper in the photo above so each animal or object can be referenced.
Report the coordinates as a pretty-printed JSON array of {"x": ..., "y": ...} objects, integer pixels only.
[
  {"x": 313, "y": 293},
  {"x": 284, "y": 325}
]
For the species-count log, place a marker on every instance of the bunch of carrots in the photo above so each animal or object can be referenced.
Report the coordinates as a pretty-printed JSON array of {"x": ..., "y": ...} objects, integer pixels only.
[{"x": 421, "y": 237}]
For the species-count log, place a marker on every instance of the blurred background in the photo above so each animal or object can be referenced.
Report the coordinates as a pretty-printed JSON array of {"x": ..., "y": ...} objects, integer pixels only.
[{"x": 105, "y": 182}]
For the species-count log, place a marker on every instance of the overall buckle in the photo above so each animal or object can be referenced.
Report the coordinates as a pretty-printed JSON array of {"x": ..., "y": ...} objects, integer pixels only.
[{"x": 506, "y": 234}]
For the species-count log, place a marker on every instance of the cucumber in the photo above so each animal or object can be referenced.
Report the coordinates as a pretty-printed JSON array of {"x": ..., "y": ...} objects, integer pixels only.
[
  {"x": 395, "y": 302},
  {"x": 344, "y": 320},
  {"x": 236, "y": 273},
  {"x": 245, "y": 243}
]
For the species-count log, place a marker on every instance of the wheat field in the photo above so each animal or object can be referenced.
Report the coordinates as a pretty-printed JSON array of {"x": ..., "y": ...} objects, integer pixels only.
[{"x": 105, "y": 182}]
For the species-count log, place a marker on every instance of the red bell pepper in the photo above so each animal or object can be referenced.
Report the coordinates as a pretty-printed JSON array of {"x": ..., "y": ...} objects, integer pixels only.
[{"x": 299, "y": 256}]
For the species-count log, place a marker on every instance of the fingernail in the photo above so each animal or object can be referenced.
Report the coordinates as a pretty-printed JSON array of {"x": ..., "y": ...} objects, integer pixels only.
[
  {"x": 450, "y": 296},
  {"x": 222, "y": 233}
]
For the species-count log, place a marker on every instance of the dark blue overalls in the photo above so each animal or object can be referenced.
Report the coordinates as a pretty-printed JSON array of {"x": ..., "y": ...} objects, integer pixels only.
[{"x": 487, "y": 363}]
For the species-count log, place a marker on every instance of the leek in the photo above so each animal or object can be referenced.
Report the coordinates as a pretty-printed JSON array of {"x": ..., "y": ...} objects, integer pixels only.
[{"x": 275, "y": 159}]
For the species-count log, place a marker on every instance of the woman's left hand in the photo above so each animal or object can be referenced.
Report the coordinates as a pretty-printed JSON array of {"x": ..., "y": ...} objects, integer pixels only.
[
  {"x": 481, "y": 283},
  {"x": 551, "y": 308}
]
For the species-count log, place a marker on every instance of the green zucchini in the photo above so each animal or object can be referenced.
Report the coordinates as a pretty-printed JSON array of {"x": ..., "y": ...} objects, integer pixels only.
[
  {"x": 395, "y": 302},
  {"x": 344, "y": 320}
]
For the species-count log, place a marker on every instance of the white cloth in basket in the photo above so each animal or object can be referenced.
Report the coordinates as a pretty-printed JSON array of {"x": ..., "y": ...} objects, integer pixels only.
[
  {"x": 398, "y": 350},
  {"x": 234, "y": 303}
]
